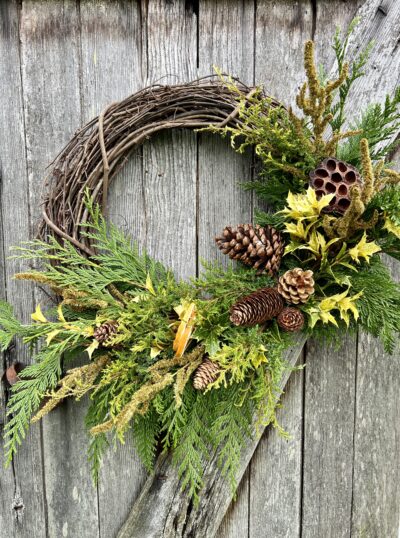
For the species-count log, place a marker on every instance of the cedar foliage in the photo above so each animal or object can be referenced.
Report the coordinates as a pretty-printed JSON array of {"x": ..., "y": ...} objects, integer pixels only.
[
  {"x": 140, "y": 296},
  {"x": 144, "y": 385}
]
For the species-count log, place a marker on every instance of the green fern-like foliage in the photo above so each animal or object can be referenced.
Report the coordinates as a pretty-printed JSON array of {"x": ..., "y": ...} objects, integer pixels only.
[
  {"x": 11, "y": 327},
  {"x": 125, "y": 285},
  {"x": 379, "y": 304},
  {"x": 340, "y": 46},
  {"x": 36, "y": 380},
  {"x": 378, "y": 124},
  {"x": 146, "y": 430}
]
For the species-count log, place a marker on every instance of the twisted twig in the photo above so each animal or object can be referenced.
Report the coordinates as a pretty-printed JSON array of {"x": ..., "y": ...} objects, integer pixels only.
[{"x": 99, "y": 150}]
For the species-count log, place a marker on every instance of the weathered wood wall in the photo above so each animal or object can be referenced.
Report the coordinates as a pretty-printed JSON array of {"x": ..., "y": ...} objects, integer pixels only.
[{"x": 61, "y": 62}]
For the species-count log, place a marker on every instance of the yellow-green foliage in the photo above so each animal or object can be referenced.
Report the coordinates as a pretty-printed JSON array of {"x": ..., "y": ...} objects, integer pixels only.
[
  {"x": 315, "y": 100},
  {"x": 75, "y": 383}
]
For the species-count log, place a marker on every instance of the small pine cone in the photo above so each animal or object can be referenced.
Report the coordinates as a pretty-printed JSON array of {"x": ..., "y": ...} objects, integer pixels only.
[
  {"x": 258, "y": 307},
  {"x": 259, "y": 247},
  {"x": 335, "y": 177},
  {"x": 296, "y": 285},
  {"x": 105, "y": 331},
  {"x": 291, "y": 319},
  {"x": 205, "y": 374}
]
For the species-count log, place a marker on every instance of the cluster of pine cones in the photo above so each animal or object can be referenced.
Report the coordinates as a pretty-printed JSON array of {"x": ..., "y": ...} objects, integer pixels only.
[
  {"x": 294, "y": 287},
  {"x": 261, "y": 248}
]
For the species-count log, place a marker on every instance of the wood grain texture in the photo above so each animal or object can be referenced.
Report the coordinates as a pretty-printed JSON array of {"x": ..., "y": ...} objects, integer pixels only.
[
  {"x": 376, "y": 466},
  {"x": 275, "y": 471},
  {"x": 170, "y": 160},
  {"x": 281, "y": 26},
  {"x": 226, "y": 40},
  {"x": 328, "y": 439},
  {"x": 376, "y": 456},
  {"x": 50, "y": 74},
  {"x": 112, "y": 69},
  {"x": 383, "y": 69},
  {"x": 22, "y": 495}
]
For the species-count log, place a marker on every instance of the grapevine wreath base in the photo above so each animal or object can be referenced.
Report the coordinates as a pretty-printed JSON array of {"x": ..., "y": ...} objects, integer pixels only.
[
  {"x": 185, "y": 366},
  {"x": 98, "y": 151}
]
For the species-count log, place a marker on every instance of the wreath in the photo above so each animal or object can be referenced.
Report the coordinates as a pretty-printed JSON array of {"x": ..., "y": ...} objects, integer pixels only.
[{"x": 185, "y": 366}]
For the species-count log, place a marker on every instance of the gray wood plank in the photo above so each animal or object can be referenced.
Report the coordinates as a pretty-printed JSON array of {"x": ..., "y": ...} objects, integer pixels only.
[
  {"x": 376, "y": 487},
  {"x": 379, "y": 24},
  {"x": 275, "y": 485},
  {"x": 50, "y": 72},
  {"x": 328, "y": 439},
  {"x": 275, "y": 470},
  {"x": 331, "y": 389},
  {"x": 22, "y": 499},
  {"x": 170, "y": 160},
  {"x": 111, "y": 44},
  {"x": 281, "y": 29},
  {"x": 376, "y": 460},
  {"x": 225, "y": 40}
]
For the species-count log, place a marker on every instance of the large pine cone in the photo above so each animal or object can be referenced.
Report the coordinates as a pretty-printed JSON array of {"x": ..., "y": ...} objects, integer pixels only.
[
  {"x": 205, "y": 374},
  {"x": 259, "y": 247},
  {"x": 296, "y": 285},
  {"x": 258, "y": 307},
  {"x": 335, "y": 177},
  {"x": 291, "y": 319},
  {"x": 105, "y": 331}
]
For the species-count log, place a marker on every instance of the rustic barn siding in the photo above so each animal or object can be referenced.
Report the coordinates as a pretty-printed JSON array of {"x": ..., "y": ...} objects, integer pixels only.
[{"x": 61, "y": 62}]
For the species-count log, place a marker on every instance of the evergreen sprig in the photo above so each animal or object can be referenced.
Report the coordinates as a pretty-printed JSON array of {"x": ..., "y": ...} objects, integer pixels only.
[
  {"x": 378, "y": 124},
  {"x": 340, "y": 46},
  {"x": 27, "y": 395},
  {"x": 379, "y": 304}
]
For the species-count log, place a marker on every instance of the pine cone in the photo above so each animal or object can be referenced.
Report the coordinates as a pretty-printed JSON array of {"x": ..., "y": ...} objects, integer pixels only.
[
  {"x": 258, "y": 307},
  {"x": 291, "y": 319},
  {"x": 205, "y": 374},
  {"x": 334, "y": 176},
  {"x": 261, "y": 248},
  {"x": 296, "y": 285},
  {"x": 105, "y": 331}
]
